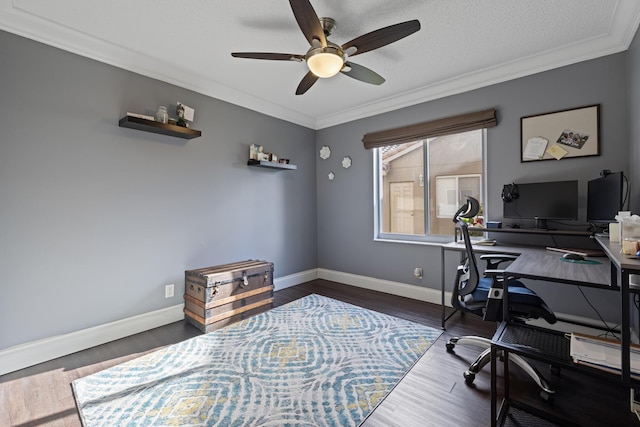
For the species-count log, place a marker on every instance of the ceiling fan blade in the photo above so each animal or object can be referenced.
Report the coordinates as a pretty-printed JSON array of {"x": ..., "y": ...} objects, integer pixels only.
[
  {"x": 361, "y": 73},
  {"x": 307, "y": 81},
  {"x": 271, "y": 56},
  {"x": 382, "y": 37},
  {"x": 308, "y": 21}
]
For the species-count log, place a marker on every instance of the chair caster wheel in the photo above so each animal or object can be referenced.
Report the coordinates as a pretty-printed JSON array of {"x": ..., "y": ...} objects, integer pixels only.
[
  {"x": 469, "y": 377},
  {"x": 546, "y": 397},
  {"x": 450, "y": 347}
]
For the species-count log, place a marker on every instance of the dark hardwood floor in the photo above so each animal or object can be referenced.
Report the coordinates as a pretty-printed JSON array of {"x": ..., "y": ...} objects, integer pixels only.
[{"x": 432, "y": 394}]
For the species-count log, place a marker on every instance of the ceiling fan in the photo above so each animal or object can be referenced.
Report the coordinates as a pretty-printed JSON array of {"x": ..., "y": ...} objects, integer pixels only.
[{"x": 326, "y": 59}]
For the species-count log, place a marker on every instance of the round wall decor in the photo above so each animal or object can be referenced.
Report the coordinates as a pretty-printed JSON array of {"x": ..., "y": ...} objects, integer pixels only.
[{"x": 325, "y": 152}]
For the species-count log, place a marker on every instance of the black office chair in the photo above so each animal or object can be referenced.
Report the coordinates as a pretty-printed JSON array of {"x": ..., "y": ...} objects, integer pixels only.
[{"x": 471, "y": 295}]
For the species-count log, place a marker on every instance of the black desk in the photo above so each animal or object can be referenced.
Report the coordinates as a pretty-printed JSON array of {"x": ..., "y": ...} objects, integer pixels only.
[
  {"x": 550, "y": 346},
  {"x": 549, "y": 265}
]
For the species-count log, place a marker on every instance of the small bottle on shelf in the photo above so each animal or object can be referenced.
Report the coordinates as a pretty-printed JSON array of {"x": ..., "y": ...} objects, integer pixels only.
[{"x": 162, "y": 116}]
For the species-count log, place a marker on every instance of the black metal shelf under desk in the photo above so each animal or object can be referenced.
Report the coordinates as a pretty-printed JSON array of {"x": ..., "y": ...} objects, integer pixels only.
[
  {"x": 552, "y": 346},
  {"x": 545, "y": 345}
]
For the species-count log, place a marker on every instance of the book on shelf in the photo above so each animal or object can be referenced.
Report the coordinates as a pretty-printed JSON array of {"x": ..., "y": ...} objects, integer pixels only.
[
  {"x": 603, "y": 353},
  {"x": 141, "y": 116}
]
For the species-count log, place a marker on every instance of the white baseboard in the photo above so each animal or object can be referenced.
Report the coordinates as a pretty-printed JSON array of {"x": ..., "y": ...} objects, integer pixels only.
[
  {"x": 32, "y": 353},
  {"x": 420, "y": 293},
  {"x": 35, "y": 352},
  {"x": 295, "y": 279}
]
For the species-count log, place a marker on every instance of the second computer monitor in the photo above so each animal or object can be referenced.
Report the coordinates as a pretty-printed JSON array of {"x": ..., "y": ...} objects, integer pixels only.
[{"x": 605, "y": 198}]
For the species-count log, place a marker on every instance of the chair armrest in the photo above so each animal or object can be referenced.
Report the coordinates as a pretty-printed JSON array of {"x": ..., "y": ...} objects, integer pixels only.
[{"x": 494, "y": 260}]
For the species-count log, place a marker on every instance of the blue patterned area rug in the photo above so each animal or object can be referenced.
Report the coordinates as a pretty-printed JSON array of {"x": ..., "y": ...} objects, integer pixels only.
[{"x": 313, "y": 362}]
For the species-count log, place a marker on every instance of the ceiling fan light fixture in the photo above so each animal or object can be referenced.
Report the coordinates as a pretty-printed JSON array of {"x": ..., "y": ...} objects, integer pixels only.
[
  {"x": 325, "y": 62},
  {"x": 326, "y": 59}
]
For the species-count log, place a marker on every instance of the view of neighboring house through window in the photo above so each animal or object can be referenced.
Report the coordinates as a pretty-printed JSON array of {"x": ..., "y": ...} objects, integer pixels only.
[{"x": 421, "y": 184}]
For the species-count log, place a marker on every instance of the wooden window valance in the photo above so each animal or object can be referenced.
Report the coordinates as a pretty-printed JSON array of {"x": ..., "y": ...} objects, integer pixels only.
[{"x": 433, "y": 128}]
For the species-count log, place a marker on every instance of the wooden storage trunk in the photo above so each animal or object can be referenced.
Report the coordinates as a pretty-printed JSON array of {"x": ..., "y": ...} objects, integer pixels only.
[{"x": 220, "y": 295}]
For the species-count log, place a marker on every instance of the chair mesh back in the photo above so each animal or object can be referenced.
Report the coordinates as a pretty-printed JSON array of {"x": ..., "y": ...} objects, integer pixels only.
[{"x": 470, "y": 263}]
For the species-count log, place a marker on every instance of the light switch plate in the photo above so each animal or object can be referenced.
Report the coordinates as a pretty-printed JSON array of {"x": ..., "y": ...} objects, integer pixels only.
[{"x": 169, "y": 290}]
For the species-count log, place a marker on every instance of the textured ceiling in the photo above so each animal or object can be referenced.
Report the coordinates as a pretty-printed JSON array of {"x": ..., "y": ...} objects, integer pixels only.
[{"x": 463, "y": 45}]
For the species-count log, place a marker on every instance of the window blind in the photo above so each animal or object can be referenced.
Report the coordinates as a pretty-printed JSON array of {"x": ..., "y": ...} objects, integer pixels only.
[{"x": 445, "y": 126}]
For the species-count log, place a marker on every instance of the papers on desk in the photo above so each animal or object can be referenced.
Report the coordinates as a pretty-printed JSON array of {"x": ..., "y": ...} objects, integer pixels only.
[{"x": 603, "y": 354}]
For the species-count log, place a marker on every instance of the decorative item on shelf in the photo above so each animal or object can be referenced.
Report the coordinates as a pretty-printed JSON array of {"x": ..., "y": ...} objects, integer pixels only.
[
  {"x": 325, "y": 152},
  {"x": 346, "y": 162},
  {"x": 162, "y": 116},
  {"x": 284, "y": 161},
  {"x": 331, "y": 176},
  {"x": 180, "y": 112},
  {"x": 255, "y": 152},
  {"x": 476, "y": 221},
  {"x": 185, "y": 113}
]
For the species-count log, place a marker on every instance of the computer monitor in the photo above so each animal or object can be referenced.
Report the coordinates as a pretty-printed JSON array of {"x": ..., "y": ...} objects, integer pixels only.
[
  {"x": 605, "y": 197},
  {"x": 542, "y": 201}
]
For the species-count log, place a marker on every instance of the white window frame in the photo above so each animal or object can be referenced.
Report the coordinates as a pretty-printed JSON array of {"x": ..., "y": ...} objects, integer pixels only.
[{"x": 379, "y": 235}]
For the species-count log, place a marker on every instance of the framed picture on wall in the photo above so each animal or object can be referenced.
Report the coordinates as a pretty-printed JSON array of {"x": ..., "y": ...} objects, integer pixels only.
[{"x": 561, "y": 134}]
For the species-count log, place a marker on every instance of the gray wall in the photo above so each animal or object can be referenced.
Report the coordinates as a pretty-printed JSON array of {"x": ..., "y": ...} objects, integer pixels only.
[
  {"x": 95, "y": 219},
  {"x": 345, "y": 205}
]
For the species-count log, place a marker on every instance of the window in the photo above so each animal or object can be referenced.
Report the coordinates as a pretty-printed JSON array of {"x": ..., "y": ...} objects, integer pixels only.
[
  {"x": 419, "y": 185},
  {"x": 451, "y": 192}
]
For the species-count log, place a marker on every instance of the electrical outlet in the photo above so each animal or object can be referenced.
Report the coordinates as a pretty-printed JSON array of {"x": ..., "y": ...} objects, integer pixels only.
[
  {"x": 417, "y": 272},
  {"x": 168, "y": 290}
]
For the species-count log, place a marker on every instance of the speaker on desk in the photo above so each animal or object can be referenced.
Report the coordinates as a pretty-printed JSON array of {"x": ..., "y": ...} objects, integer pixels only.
[{"x": 510, "y": 192}]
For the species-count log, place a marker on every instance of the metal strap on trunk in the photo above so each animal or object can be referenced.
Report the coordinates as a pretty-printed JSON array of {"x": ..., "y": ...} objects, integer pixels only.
[{"x": 245, "y": 279}]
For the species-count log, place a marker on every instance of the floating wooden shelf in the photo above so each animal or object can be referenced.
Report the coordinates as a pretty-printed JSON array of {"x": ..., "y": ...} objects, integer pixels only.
[
  {"x": 156, "y": 127},
  {"x": 271, "y": 165}
]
